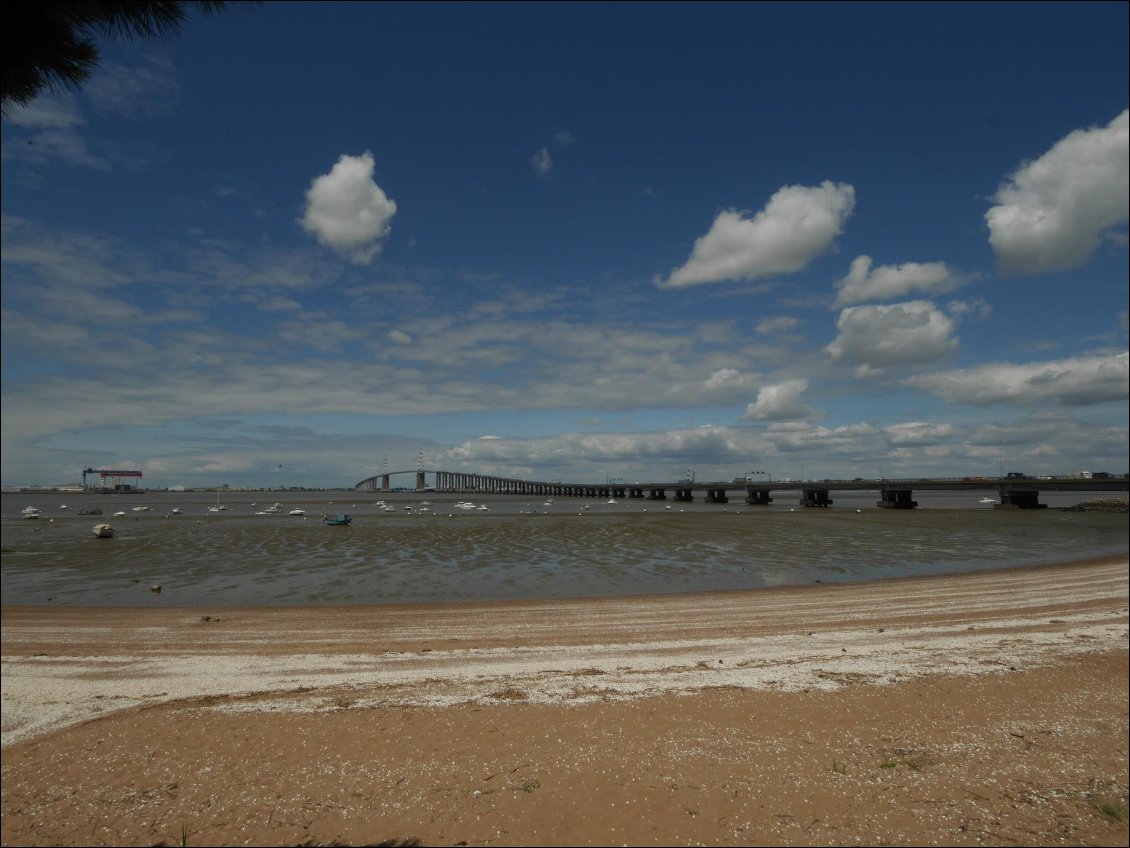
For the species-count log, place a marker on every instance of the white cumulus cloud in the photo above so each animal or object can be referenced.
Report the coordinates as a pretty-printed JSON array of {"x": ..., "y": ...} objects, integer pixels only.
[
  {"x": 918, "y": 434},
  {"x": 347, "y": 211},
  {"x": 891, "y": 282},
  {"x": 780, "y": 402},
  {"x": 49, "y": 111},
  {"x": 48, "y": 129},
  {"x": 1079, "y": 380},
  {"x": 724, "y": 379},
  {"x": 134, "y": 91},
  {"x": 977, "y": 308},
  {"x": 542, "y": 163},
  {"x": 1051, "y": 212},
  {"x": 879, "y": 337},
  {"x": 781, "y": 324},
  {"x": 796, "y": 225}
]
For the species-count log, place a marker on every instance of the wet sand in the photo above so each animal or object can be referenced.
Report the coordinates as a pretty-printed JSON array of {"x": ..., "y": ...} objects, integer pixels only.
[{"x": 968, "y": 709}]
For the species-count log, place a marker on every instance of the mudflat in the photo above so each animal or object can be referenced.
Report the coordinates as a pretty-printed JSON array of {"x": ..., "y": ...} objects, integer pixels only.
[{"x": 983, "y": 708}]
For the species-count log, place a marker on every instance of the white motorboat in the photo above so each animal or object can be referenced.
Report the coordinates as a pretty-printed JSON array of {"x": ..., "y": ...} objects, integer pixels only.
[
  {"x": 103, "y": 531},
  {"x": 29, "y": 512},
  {"x": 298, "y": 512}
]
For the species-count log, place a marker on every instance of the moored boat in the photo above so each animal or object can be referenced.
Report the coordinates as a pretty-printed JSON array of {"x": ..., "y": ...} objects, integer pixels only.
[
  {"x": 337, "y": 520},
  {"x": 103, "y": 531}
]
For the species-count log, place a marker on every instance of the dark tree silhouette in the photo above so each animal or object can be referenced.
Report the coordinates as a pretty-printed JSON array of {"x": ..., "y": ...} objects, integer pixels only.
[{"x": 51, "y": 45}]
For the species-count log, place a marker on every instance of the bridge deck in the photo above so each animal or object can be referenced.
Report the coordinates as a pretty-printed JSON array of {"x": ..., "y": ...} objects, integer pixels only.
[{"x": 458, "y": 481}]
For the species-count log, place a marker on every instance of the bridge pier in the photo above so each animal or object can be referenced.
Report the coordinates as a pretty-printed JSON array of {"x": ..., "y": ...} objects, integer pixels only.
[
  {"x": 757, "y": 497},
  {"x": 1020, "y": 499},
  {"x": 815, "y": 497},
  {"x": 684, "y": 494},
  {"x": 657, "y": 495},
  {"x": 716, "y": 496},
  {"x": 897, "y": 499}
]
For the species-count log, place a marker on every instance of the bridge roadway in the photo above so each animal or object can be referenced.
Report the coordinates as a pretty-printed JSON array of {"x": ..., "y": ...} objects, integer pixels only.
[{"x": 1015, "y": 492}]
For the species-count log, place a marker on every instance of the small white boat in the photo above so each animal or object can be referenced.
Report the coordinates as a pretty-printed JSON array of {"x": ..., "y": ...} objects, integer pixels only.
[
  {"x": 103, "y": 531},
  {"x": 141, "y": 509},
  {"x": 29, "y": 512},
  {"x": 298, "y": 512},
  {"x": 174, "y": 511},
  {"x": 988, "y": 500},
  {"x": 119, "y": 514}
]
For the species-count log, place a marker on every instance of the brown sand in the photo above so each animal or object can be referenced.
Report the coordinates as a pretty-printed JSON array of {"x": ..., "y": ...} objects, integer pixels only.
[{"x": 972, "y": 709}]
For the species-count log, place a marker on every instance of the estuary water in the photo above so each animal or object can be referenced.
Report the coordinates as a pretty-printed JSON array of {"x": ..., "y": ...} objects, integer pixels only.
[{"x": 423, "y": 548}]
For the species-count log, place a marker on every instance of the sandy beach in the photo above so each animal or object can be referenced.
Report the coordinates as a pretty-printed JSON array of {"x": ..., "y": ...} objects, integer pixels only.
[{"x": 984, "y": 708}]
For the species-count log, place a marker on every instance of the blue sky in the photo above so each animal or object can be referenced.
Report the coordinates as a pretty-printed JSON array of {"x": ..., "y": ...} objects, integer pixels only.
[{"x": 575, "y": 242}]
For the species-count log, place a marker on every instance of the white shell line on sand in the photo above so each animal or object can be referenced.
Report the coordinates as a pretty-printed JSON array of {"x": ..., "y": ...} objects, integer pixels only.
[{"x": 561, "y": 652}]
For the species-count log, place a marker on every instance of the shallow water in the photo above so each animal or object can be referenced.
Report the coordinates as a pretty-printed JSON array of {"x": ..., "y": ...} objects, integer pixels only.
[{"x": 520, "y": 548}]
